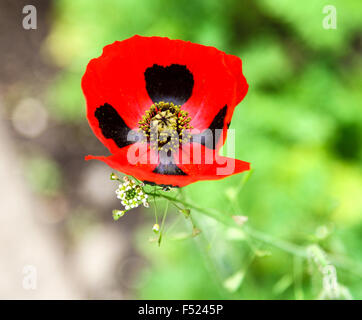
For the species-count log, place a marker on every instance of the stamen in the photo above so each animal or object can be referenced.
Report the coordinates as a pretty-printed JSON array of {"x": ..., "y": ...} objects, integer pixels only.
[{"x": 165, "y": 126}]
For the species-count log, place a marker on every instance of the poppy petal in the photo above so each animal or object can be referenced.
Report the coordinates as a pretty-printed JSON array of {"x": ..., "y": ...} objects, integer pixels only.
[
  {"x": 210, "y": 137},
  {"x": 167, "y": 165},
  {"x": 113, "y": 126},
  {"x": 206, "y": 164},
  {"x": 218, "y": 81},
  {"x": 131, "y": 73},
  {"x": 170, "y": 84},
  {"x": 125, "y": 160}
]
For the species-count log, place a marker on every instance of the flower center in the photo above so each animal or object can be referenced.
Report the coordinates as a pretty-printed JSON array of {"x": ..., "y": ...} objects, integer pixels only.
[
  {"x": 166, "y": 126},
  {"x": 130, "y": 194}
]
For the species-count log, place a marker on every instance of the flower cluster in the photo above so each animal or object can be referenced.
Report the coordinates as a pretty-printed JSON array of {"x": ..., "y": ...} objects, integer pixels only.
[{"x": 131, "y": 196}]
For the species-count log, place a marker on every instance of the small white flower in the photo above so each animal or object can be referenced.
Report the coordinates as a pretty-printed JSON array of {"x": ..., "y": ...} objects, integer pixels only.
[{"x": 131, "y": 194}]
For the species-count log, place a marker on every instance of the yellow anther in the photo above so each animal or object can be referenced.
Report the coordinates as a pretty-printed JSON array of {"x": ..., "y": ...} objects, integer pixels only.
[{"x": 168, "y": 125}]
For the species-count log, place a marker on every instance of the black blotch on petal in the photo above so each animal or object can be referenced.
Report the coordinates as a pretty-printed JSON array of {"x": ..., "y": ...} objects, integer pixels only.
[
  {"x": 209, "y": 138},
  {"x": 167, "y": 165},
  {"x": 169, "y": 169},
  {"x": 169, "y": 84},
  {"x": 113, "y": 126},
  {"x": 161, "y": 185}
]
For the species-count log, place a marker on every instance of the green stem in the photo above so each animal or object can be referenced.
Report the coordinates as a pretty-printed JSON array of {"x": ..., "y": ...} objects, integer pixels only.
[
  {"x": 155, "y": 207},
  {"x": 286, "y": 246},
  {"x": 213, "y": 214},
  {"x": 162, "y": 224},
  {"x": 228, "y": 221}
]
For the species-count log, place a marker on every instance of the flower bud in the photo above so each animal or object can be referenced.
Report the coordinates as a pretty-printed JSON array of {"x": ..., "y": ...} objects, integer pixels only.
[
  {"x": 117, "y": 214},
  {"x": 156, "y": 228},
  {"x": 113, "y": 176}
]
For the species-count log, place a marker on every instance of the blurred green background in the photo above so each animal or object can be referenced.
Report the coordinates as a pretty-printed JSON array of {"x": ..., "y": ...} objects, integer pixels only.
[{"x": 300, "y": 126}]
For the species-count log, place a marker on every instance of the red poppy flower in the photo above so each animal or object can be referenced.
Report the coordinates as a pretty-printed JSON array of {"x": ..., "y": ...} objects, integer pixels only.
[{"x": 182, "y": 94}]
